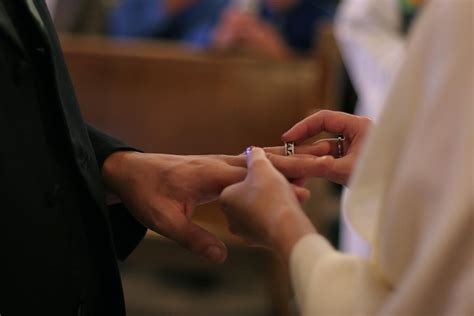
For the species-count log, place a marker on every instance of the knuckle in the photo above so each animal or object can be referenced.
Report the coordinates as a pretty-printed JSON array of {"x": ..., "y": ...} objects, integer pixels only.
[
  {"x": 228, "y": 194},
  {"x": 323, "y": 113}
]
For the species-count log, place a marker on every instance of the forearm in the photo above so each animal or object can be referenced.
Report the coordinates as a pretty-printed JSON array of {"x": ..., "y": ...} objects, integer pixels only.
[
  {"x": 289, "y": 228},
  {"x": 327, "y": 282}
]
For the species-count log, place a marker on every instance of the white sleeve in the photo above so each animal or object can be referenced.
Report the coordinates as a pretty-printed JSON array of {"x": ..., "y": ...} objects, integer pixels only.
[
  {"x": 327, "y": 282},
  {"x": 369, "y": 35}
]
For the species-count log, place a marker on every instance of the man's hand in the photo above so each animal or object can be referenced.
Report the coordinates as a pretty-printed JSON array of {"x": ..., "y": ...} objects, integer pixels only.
[
  {"x": 320, "y": 159},
  {"x": 162, "y": 191}
]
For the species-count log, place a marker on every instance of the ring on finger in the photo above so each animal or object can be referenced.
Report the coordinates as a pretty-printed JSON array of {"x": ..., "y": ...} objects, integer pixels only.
[
  {"x": 289, "y": 148},
  {"x": 340, "y": 147}
]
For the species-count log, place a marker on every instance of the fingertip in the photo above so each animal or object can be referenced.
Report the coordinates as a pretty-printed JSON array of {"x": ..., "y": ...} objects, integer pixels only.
[
  {"x": 203, "y": 243},
  {"x": 302, "y": 194},
  {"x": 286, "y": 137},
  {"x": 300, "y": 182},
  {"x": 215, "y": 253},
  {"x": 306, "y": 195}
]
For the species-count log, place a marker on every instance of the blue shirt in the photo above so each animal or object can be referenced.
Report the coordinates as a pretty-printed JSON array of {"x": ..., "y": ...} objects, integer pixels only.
[
  {"x": 298, "y": 25},
  {"x": 195, "y": 25},
  {"x": 147, "y": 18}
]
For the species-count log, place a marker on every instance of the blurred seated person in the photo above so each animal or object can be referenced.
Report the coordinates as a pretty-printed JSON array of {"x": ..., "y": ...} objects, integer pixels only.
[
  {"x": 372, "y": 35},
  {"x": 276, "y": 28},
  {"x": 190, "y": 21},
  {"x": 79, "y": 16}
]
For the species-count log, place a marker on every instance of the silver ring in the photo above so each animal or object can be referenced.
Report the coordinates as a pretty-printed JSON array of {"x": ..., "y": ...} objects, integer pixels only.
[
  {"x": 340, "y": 147},
  {"x": 289, "y": 149}
]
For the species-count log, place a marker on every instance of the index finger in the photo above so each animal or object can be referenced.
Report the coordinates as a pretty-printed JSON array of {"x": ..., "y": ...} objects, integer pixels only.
[{"x": 325, "y": 120}]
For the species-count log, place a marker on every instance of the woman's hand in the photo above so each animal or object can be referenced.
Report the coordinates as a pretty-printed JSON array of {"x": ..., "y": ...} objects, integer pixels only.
[
  {"x": 264, "y": 208},
  {"x": 321, "y": 158}
]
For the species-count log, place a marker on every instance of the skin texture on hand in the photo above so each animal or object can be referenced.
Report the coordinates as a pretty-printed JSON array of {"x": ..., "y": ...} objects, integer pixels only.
[
  {"x": 264, "y": 208},
  {"x": 162, "y": 191},
  {"x": 320, "y": 159}
]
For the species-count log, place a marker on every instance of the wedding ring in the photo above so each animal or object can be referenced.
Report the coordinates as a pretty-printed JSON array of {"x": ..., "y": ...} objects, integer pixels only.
[
  {"x": 289, "y": 149},
  {"x": 248, "y": 150},
  {"x": 340, "y": 147}
]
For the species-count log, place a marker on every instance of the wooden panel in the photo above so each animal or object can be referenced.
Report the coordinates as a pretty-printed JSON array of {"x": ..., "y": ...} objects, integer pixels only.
[{"x": 162, "y": 98}]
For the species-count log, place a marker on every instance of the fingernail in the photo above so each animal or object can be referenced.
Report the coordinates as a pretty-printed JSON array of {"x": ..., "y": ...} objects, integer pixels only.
[{"x": 214, "y": 253}]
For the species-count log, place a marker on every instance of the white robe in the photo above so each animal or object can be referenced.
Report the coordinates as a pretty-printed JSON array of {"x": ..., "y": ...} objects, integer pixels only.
[{"x": 413, "y": 190}]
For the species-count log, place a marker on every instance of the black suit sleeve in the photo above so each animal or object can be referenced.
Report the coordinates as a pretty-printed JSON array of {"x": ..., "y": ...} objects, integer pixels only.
[
  {"x": 126, "y": 230},
  {"x": 104, "y": 145}
]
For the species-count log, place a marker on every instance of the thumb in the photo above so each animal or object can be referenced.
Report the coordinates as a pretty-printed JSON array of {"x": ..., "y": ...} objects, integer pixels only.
[{"x": 196, "y": 239}]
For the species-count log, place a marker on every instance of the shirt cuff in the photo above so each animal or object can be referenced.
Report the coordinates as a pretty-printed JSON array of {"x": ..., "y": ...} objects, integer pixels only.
[{"x": 304, "y": 259}]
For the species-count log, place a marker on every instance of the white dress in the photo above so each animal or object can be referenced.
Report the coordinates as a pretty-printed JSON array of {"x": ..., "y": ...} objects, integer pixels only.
[{"x": 412, "y": 193}]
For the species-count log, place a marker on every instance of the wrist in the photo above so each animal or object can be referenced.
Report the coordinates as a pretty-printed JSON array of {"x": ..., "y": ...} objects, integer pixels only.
[
  {"x": 114, "y": 168},
  {"x": 290, "y": 227}
]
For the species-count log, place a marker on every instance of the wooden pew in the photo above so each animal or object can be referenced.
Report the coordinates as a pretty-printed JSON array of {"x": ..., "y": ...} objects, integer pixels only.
[{"x": 163, "y": 98}]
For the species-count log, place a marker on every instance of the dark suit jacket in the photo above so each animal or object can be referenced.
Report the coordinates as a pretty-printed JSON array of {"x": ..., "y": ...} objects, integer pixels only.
[{"x": 24, "y": 219}]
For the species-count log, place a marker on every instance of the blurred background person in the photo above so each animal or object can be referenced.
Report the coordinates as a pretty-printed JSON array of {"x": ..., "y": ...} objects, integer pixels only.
[
  {"x": 372, "y": 36},
  {"x": 272, "y": 28},
  {"x": 79, "y": 16},
  {"x": 189, "y": 21}
]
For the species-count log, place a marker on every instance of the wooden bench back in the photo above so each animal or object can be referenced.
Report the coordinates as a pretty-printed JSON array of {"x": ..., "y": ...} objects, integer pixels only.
[{"x": 161, "y": 98}]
